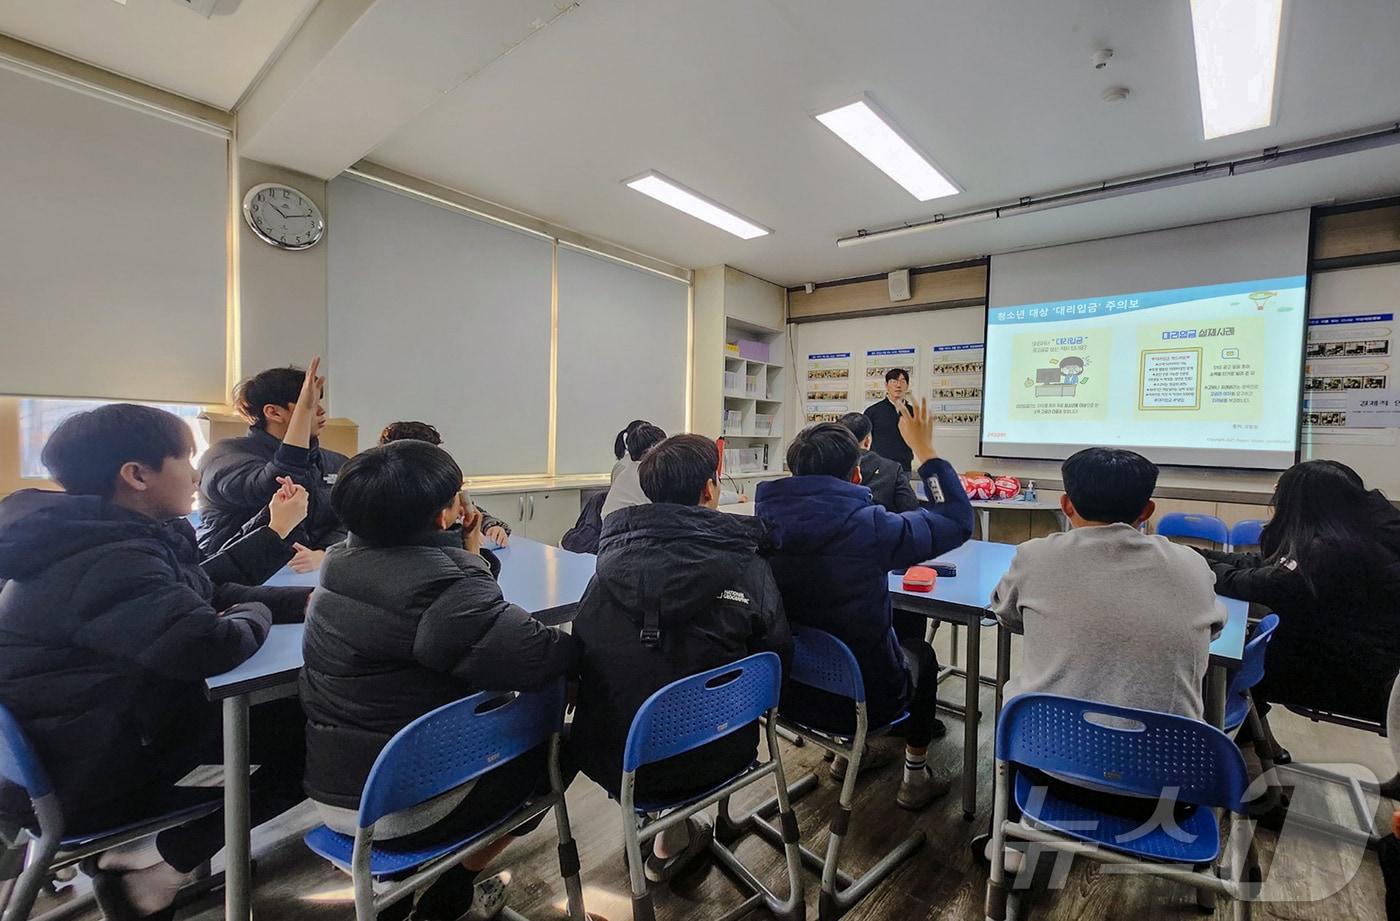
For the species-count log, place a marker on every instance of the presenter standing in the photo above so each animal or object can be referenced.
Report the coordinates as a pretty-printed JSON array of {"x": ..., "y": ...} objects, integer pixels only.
[{"x": 884, "y": 419}]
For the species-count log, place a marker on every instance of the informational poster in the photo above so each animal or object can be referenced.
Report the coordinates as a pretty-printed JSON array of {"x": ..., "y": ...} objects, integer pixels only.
[
  {"x": 955, "y": 384},
  {"x": 880, "y": 361},
  {"x": 1347, "y": 375},
  {"x": 828, "y": 389}
]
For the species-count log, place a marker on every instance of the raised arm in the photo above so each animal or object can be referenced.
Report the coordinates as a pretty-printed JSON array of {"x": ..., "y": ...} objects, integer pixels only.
[{"x": 912, "y": 537}]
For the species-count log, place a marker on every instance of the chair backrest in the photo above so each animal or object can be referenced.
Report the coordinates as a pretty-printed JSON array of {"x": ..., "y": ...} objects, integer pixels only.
[
  {"x": 821, "y": 661},
  {"x": 1139, "y": 752},
  {"x": 1251, "y": 670},
  {"x": 1246, "y": 533},
  {"x": 694, "y": 711},
  {"x": 19, "y": 764},
  {"x": 456, "y": 743},
  {"x": 1200, "y": 527}
]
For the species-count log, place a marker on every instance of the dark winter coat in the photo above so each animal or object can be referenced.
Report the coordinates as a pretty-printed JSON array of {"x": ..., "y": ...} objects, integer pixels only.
[
  {"x": 1337, "y": 646},
  {"x": 108, "y": 625},
  {"x": 835, "y": 551},
  {"x": 698, "y": 574},
  {"x": 394, "y": 632},
  {"x": 888, "y": 483},
  {"x": 237, "y": 477},
  {"x": 885, "y": 439}
]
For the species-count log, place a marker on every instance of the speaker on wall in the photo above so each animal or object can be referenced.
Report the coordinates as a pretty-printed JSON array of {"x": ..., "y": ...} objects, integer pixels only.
[{"x": 899, "y": 285}]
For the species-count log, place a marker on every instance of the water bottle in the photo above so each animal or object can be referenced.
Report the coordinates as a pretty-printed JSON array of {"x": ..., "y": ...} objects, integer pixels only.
[{"x": 1029, "y": 494}]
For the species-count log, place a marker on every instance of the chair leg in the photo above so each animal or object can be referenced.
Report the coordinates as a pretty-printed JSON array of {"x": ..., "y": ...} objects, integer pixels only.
[
  {"x": 569, "y": 862},
  {"x": 642, "y": 907},
  {"x": 42, "y": 851},
  {"x": 996, "y": 880}
]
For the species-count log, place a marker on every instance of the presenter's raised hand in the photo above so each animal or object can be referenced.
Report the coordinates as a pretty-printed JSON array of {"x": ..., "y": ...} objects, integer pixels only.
[{"x": 917, "y": 430}]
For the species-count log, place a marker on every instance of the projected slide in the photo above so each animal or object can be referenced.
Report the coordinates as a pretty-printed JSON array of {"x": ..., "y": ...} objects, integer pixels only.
[{"x": 1203, "y": 375}]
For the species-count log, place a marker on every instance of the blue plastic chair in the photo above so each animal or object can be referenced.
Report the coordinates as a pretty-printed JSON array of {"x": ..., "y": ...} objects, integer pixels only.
[
  {"x": 1199, "y": 527},
  {"x": 681, "y": 717},
  {"x": 53, "y": 848},
  {"x": 1238, "y": 700},
  {"x": 1246, "y": 533},
  {"x": 438, "y": 752},
  {"x": 821, "y": 661},
  {"x": 1125, "y": 751}
]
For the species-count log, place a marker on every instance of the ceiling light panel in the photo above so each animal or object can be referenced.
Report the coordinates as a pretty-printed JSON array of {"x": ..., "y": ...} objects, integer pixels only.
[
  {"x": 874, "y": 136},
  {"x": 670, "y": 192},
  {"x": 1236, "y": 63}
]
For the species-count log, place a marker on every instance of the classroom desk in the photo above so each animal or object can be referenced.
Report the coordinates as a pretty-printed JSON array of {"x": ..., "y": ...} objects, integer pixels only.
[
  {"x": 546, "y": 581},
  {"x": 963, "y": 601},
  {"x": 985, "y": 507}
]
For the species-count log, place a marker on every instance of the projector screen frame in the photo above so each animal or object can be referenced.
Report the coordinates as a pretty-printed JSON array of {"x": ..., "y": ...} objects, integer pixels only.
[{"x": 1144, "y": 450}]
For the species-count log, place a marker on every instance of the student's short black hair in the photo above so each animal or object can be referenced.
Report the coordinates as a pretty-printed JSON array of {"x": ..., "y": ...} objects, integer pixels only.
[
  {"x": 391, "y": 493},
  {"x": 1074, "y": 360},
  {"x": 893, "y": 373},
  {"x": 620, "y": 442},
  {"x": 642, "y": 438},
  {"x": 278, "y": 386},
  {"x": 677, "y": 469},
  {"x": 398, "y": 431},
  {"x": 858, "y": 423},
  {"x": 1109, "y": 484},
  {"x": 87, "y": 450},
  {"x": 828, "y": 448}
]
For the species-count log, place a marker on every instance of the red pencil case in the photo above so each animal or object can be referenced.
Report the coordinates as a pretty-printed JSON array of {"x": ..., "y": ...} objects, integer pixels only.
[{"x": 919, "y": 579}]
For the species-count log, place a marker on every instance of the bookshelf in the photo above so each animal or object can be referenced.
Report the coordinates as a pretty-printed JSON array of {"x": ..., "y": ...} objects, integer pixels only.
[{"x": 754, "y": 383}]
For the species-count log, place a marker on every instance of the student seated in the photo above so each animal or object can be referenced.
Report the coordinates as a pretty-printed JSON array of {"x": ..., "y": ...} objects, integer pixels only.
[
  {"x": 1110, "y": 614},
  {"x": 495, "y": 530},
  {"x": 1329, "y": 566},
  {"x": 408, "y": 618},
  {"x": 835, "y": 551},
  {"x": 626, "y": 488},
  {"x": 284, "y": 413},
  {"x": 887, "y": 480},
  {"x": 680, "y": 588},
  {"x": 109, "y": 625}
]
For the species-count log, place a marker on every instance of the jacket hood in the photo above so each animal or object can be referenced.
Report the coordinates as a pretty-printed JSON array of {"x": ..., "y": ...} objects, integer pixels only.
[
  {"x": 809, "y": 512},
  {"x": 39, "y": 528},
  {"x": 674, "y": 559}
]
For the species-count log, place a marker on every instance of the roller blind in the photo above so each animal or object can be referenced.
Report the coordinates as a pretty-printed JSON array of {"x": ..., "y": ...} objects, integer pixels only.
[
  {"x": 439, "y": 317},
  {"x": 622, "y": 356},
  {"x": 113, "y": 249}
]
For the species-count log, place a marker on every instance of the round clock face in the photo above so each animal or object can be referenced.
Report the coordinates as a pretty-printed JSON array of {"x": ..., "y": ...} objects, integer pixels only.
[{"x": 283, "y": 217}]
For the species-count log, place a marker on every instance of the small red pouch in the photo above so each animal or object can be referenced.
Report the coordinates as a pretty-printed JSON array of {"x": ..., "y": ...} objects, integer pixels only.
[{"x": 919, "y": 579}]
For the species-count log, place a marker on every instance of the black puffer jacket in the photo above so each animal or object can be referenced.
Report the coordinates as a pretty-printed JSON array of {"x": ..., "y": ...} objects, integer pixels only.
[
  {"x": 715, "y": 600},
  {"x": 888, "y": 483},
  {"x": 237, "y": 477},
  {"x": 1337, "y": 646},
  {"x": 394, "y": 632},
  {"x": 108, "y": 626}
]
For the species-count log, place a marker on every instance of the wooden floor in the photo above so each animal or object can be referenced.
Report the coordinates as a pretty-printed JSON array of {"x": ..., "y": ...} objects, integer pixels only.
[{"x": 939, "y": 882}]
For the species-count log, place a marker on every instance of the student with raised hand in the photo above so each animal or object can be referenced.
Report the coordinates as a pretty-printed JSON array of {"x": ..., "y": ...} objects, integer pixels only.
[
  {"x": 835, "y": 551},
  {"x": 408, "y": 618},
  {"x": 494, "y": 528},
  {"x": 884, "y": 417},
  {"x": 285, "y": 416},
  {"x": 887, "y": 480},
  {"x": 680, "y": 588},
  {"x": 1329, "y": 566},
  {"x": 109, "y": 625}
]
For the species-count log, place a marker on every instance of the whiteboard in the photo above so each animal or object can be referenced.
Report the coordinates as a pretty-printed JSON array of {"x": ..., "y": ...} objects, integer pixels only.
[
  {"x": 438, "y": 317},
  {"x": 1353, "y": 294},
  {"x": 623, "y": 343}
]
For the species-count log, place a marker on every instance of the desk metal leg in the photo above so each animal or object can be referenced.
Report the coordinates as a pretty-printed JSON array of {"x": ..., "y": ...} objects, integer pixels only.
[
  {"x": 1216, "y": 684},
  {"x": 984, "y": 516},
  {"x": 1003, "y": 665},
  {"x": 237, "y": 835},
  {"x": 974, "y": 685},
  {"x": 953, "y": 645}
]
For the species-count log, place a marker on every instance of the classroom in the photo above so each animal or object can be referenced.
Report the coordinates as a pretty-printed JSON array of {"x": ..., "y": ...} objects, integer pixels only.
[{"x": 646, "y": 459}]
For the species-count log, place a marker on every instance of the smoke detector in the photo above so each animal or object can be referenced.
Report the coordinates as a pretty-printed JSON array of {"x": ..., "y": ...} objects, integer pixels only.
[{"x": 1101, "y": 58}]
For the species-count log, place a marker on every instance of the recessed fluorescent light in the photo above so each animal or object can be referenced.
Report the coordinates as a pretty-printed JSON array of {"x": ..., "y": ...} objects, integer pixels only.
[
  {"x": 875, "y": 138},
  {"x": 1236, "y": 62},
  {"x": 672, "y": 193}
]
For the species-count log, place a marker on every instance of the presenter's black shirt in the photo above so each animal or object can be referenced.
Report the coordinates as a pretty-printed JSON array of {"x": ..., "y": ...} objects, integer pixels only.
[{"x": 884, "y": 432}]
